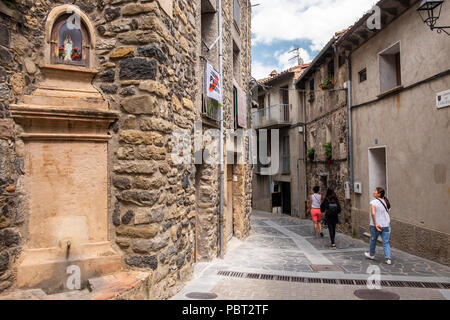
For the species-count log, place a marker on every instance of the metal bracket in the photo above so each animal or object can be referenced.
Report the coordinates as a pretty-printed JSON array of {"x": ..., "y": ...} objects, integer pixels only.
[{"x": 212, "y": 46}]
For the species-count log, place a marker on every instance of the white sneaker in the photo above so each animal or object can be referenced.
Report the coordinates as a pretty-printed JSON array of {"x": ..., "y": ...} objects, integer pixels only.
[
  {"x": 368, "y": 256},
  {"x": 388, "y": 261}
]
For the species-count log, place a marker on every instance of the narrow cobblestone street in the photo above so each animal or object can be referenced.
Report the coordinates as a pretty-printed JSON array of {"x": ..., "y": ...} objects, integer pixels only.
[{"x": 286, "y": 247}]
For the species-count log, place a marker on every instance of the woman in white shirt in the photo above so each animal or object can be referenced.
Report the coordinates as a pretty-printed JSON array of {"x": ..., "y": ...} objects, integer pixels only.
[
  {"x": 380, "y": 224},
  {"x": 315, "y": 200}
]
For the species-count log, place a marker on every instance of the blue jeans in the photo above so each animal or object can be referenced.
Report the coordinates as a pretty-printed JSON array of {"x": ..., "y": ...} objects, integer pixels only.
[{"x": 385, "y": 236}]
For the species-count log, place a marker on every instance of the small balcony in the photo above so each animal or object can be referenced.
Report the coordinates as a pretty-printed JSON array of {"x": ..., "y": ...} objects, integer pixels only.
[
  {"x": 273, "y": 117},
  {"x": 211, "y": 110}
]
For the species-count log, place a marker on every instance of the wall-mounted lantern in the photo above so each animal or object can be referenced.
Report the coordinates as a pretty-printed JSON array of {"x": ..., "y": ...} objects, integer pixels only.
[{"x": 430, "y": 12}]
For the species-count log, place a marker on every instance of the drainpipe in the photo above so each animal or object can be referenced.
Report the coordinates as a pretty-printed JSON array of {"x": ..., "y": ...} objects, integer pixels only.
[
  {"x": 221, "y": 155},
  {"x": 350, "y": 128},
  {"x": 304, "y": 147}
]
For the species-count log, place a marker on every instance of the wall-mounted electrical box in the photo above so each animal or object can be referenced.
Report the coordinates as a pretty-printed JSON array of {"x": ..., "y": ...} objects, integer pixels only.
[
  {"x": 300, "y": 129},
  {"x": 347, "y": 190},
  {"x": 358, "y": 187}
]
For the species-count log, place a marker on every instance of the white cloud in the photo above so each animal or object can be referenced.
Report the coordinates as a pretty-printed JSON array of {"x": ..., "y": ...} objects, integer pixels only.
[
  {"x": 314, "y": 20},
  {"x": 260, "y": 70},
  {"x": 289, "y": 20}
]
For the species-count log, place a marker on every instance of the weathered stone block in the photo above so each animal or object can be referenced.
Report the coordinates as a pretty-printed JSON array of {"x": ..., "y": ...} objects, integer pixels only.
[
  {"x": 154, "y": 87},
  {"x": 133, "y": 9},
  {"x": 112, "y": 14},
  {"x": 6, "y": 128},
  {"x": 155, "y": 124},
  {"x": 138, "y": 37},
  {"x": 152, "y": 51},
  {"x": 144, "y": 232},
  {"x": 140, "y": 105},
  {"x": 141, "y": 198},
  {"x": 135, "y": 167},
  {"x": 122, "y": 183},
  {"x": 149, "y": 246},
  {"x": 188, "y": 104},
  {"x": 144, "y": 152},
  {"x": 142, "y": 262},
  {"x": 139, "y": 137},
  {"x": 109, "y": 89},
  {"x": 107, "y": 76},
  {"x": 4, "y": 92},
  {"x": 128, "y": 217},
  {"x": 146, "y": 215},
  {"x": 4, "y": 261},
  {"x": 9, "y": 238},
  {"x": 137, "y": 68},
  {"x": 122, "y": 52},
  {"x": 147, "y": 184},
  {"x": 5, "y": 55}
]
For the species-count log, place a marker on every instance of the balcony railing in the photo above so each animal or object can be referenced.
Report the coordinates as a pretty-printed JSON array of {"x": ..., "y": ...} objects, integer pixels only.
[
  {"x": 211, "y": 110},
  {"x": 276, "y": 116}
]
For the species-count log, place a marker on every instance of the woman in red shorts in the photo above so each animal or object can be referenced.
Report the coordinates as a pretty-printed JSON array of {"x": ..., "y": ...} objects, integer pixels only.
[{"x": 315, "y": 200}]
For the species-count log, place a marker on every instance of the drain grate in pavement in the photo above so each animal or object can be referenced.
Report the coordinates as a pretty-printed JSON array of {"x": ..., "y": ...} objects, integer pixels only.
[
  {"x": 201, "y": 295},
  {"x": 350, "y": 282},
  {"x": 366, "y": 294}
]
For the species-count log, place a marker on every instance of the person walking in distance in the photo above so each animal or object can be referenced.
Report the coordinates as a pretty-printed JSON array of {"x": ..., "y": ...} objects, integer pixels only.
[
  {"x": 380, "y": 224},
  {"x": 315, "y": 200},
  {"x": 331, "y": 207}
]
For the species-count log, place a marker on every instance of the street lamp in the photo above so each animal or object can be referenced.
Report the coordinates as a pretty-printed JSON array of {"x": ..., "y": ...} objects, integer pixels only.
[{"x": 430, "y": 12}]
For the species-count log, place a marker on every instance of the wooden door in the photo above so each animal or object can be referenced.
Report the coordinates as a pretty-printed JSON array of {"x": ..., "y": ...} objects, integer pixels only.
[{"x": 229, "y": 204}]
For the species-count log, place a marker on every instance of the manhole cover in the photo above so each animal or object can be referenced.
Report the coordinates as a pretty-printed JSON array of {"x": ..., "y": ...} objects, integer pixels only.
[
  {"x": 325, "y": 268},
  {"x": 201, "y": 295},
  {"x": 367, "y": 294}
]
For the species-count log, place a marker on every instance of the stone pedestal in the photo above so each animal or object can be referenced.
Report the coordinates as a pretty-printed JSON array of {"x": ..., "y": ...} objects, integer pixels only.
[{"x": 64, "y": 126}]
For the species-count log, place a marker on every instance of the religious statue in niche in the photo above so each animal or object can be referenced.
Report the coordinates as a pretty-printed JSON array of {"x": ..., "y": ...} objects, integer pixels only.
[{"x": 70, "y": 43}]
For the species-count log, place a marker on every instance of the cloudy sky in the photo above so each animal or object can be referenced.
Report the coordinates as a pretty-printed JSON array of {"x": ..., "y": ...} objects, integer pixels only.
[{"x": 278, "y": 26}]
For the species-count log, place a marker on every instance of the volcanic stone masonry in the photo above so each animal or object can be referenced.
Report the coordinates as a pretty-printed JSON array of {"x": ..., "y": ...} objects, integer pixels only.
[{"x": 146, "y": 56}]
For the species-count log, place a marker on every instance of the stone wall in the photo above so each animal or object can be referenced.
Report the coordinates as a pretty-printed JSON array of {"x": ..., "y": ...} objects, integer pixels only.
[
  {"x": 147, "y": 55},
  {"x": 327, "y": 121}
]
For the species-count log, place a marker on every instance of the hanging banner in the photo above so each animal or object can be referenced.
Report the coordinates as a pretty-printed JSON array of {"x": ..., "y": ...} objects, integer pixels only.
[{"x": 213, "y": 84}]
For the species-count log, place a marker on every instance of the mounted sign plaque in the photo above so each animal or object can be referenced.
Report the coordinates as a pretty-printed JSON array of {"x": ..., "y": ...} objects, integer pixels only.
[{"x": 443, "y": 99}]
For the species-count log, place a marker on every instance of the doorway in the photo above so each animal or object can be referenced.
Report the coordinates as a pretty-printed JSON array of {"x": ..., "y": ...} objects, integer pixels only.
[
  {"x": 286, "y": 197},
  {"x": 377, "y": 169},
  {"x": 229, "y": 204}
]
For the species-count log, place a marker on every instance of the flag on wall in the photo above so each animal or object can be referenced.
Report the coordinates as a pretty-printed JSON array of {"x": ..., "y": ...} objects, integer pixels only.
[{"x": 213, "y": 84}]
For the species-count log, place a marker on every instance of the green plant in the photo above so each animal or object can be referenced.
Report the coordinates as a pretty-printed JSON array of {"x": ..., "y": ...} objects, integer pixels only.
[
  {"x": 328, "y": 151},
  {"x": 311, "y": 154},
  {"x": 328, "y": 83}
]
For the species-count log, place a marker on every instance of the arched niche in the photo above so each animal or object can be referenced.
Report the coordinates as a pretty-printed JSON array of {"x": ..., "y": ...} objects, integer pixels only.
[{"x": 69, "y": 38}]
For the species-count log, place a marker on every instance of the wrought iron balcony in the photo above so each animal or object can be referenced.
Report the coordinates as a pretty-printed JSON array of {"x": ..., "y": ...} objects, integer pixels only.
[
  {"x": 276, "y": 116},
  {"x": 211, "y": 110}
]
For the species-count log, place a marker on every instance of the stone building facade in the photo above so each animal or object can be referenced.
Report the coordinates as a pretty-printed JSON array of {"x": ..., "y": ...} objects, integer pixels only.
[
  {"x": 279, "y": 108},
  {"x": 325, "y": 101},
  {"x": 93, "y": 137},
  {"x": 400, "y": 134}
]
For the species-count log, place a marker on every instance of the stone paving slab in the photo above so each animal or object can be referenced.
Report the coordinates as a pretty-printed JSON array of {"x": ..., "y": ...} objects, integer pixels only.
[{"x": 282, "y": 245}]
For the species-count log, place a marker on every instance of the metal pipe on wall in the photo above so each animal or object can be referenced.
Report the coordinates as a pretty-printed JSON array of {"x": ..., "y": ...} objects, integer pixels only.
[
  {"x": 221, "y": 142},
  {"x": 350, "y": 128}
]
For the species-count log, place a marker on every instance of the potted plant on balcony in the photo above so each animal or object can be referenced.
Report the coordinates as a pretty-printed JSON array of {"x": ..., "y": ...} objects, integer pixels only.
[
  {"x": 328, "y": 152},
  {"x": 311, "y": 154},
  {"x": 328, "y": 83}
]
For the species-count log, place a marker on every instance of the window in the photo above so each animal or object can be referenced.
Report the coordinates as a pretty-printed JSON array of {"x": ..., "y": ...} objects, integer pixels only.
[
  {"x": 362, "y": 75},
  {"x": 236, "y": 63},
  {"x": 70, "y": 43},
  {"x": 311, "y": 85},
  {"x": 328, "y": 134},
  {"x": 331, "y": 69},
  {"x": 261, "y": 102},
  {"x": 237, "y": 14},
  {"x": 390, "y": 68}
]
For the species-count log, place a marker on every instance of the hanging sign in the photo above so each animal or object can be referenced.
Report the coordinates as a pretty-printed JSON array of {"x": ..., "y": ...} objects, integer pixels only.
[{"x": 213, "y": 84}]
